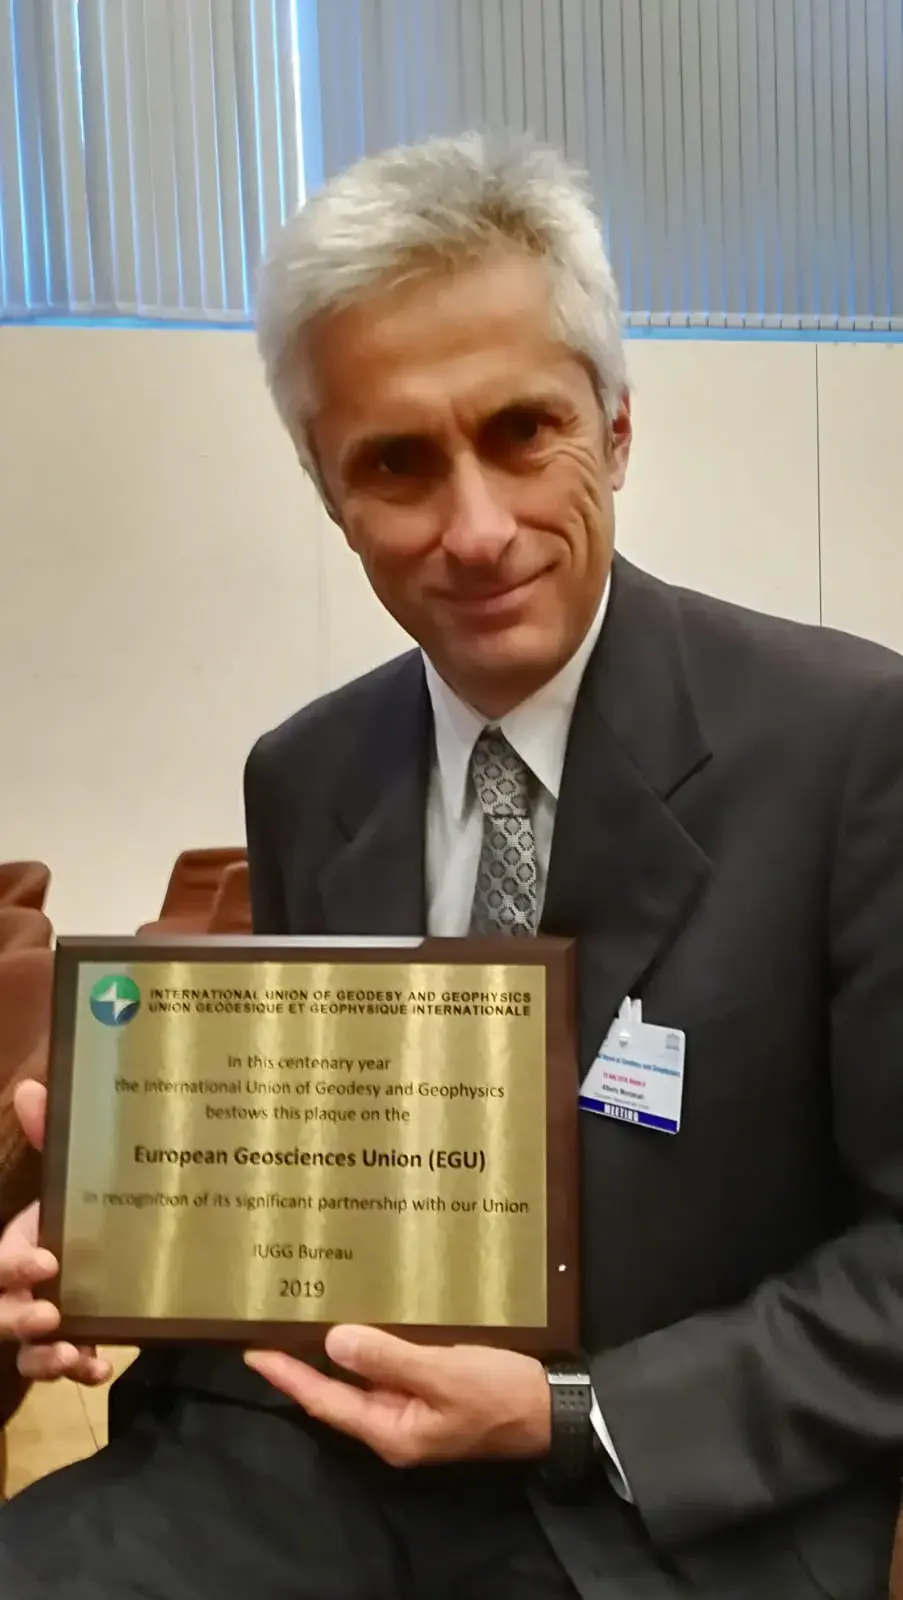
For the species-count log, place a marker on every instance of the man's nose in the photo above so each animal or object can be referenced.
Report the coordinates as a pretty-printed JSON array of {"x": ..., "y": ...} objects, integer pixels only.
[{"x": 480, "y": 526}]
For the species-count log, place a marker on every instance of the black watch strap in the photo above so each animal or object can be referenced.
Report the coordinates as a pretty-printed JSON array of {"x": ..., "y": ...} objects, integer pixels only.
[{"x": 567, "y": 1467}]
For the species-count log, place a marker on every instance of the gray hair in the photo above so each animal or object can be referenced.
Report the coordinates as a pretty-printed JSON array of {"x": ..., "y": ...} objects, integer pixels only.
[{"x": 409, "y": 210}]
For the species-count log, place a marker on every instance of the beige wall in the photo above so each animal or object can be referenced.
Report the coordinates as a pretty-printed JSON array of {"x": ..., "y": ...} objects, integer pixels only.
[{"x": 169, "y": 586}]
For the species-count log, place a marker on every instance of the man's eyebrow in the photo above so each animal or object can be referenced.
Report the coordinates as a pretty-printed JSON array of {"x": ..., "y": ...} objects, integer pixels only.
[{"x": 544, "y": 398}]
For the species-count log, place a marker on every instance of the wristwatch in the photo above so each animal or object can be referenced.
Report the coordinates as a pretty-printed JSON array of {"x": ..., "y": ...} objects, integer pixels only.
[{"x": 567, "y": 1468}]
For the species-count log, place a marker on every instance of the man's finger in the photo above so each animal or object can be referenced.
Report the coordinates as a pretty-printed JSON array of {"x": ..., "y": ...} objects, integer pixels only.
[
  {"x": 30, "y": 1102},
  {"x": 48, "y": 1362},
  {"x": 383, "y": 1359},
  {"x": 24, "y": 1318},
  {"x": 339, "y": 1405},
  {"x": 91, "y": 1369},
  {"x": 23, "y": 1230},
  {"x": 22, "y": 1264}
]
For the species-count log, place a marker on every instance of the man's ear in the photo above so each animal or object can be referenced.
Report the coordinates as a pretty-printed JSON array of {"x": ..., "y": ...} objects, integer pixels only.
[
  {"x": 307, "y": 455},
  {"x": 620, "y": 439},
  {"x": 331, "y": 511},
  {"x": 333, "y": 515}
]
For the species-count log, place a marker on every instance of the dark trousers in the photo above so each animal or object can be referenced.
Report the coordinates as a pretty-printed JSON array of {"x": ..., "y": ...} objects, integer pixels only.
[{"x": 202, "y": 1497}]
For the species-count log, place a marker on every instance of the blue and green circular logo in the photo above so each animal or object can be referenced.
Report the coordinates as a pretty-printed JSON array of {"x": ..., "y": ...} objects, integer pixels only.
[{"x": 115, "y": 1001}]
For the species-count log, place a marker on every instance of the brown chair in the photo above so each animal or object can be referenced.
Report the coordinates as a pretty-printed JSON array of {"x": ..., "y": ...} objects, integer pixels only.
[
  {"x": 20, "y": 1184},
  {"x": 23, "y": 928},
  {"x": 896, "y": 1575},
  {"x": 191, "y": 891},
  {"x": 232, "y": 907},
  {"x": 24, "y": 883},
  {"x": 26, "y": 983}
]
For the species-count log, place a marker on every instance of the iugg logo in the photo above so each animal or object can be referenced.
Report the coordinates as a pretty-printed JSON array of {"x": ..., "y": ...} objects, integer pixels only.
[{"x": 115, "y": 1000}]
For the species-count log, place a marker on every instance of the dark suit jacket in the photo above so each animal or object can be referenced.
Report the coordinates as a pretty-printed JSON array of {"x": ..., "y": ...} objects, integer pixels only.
[{"x": 729, "y": 848}]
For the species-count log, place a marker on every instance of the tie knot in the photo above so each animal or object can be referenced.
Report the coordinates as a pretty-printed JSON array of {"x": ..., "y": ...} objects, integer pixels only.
[{"x": 502, "y": 781}]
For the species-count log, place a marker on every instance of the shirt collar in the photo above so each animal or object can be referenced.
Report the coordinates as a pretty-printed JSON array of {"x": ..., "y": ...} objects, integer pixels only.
[{"x": 537, "y": 729}]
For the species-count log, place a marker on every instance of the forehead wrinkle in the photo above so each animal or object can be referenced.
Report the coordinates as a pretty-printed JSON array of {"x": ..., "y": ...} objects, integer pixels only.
[{"x": 498, "y": 301}]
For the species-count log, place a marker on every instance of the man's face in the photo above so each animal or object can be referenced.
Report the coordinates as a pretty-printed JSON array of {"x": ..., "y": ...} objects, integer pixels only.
[{"x": 467, "y": 459}]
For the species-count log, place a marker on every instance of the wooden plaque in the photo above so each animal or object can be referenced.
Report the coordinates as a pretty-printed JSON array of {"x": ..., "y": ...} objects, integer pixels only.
[{"x": 251, "y": 1140}]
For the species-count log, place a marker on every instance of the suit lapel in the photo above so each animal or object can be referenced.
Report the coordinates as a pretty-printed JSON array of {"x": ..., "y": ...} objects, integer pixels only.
[
  {"x": 373, "y": 883},
  {"x": 624, "y": 874}
]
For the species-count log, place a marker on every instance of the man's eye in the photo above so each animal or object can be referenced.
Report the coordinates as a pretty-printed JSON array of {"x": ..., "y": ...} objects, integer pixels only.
[
  {"x": 516, "y": 428},
  {"x": 404, "y": 458},
  {"x": 523, "y": 425}
]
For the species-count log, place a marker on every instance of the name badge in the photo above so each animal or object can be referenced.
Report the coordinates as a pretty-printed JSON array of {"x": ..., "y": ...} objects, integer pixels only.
[{"x": 638, "y": 1075}]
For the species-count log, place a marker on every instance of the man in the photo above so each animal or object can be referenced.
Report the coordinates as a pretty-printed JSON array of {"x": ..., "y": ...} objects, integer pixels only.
[{"x": 712, "y": 802}]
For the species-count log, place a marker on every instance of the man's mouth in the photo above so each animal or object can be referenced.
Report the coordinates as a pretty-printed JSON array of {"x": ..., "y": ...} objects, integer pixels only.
[{"x": 498, "y": 598}]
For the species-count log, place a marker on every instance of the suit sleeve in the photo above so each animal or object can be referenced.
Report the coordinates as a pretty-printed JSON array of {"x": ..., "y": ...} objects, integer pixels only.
[
  {"x": 268, "y": 909},
  {"x": 745, "y": 1411}
]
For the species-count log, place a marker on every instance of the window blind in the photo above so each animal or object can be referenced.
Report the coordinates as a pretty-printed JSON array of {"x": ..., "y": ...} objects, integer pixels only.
[
  {"x": 147, "y": 149},
  {"x": 746, "y": 156}
]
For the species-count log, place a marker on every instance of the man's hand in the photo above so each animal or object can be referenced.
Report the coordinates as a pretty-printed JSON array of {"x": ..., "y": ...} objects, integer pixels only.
[
  {"x": 23, "y": 1267},
  {"x": 421, "y": 1403}
]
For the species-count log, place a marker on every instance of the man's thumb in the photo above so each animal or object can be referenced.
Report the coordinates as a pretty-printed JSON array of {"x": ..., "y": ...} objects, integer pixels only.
[{"x": 30, "y": 1101}]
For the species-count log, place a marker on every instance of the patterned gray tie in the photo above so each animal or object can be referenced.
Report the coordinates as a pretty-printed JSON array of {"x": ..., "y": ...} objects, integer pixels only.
[{"x": 504, "y": 899}]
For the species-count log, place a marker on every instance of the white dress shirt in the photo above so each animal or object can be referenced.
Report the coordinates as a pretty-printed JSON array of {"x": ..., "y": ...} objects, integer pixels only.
[{"x": 538, "y": 730}]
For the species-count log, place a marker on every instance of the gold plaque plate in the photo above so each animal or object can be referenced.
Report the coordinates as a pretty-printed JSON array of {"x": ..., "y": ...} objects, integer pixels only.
[{"x": 248, "y": 1136}]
